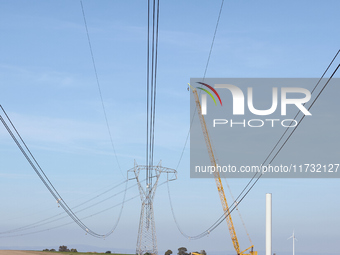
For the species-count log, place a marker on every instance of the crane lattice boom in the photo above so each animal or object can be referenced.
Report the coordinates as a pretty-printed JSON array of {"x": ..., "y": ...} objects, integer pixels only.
[{"x": 219, "y": 182}]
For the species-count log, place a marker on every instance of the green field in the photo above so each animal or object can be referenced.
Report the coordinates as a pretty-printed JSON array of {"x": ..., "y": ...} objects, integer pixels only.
[{"x": 75, "y": 253}]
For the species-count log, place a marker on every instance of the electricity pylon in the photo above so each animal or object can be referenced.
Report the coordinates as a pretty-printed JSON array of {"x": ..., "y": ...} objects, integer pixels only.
[{"x": 146, "y": 240}]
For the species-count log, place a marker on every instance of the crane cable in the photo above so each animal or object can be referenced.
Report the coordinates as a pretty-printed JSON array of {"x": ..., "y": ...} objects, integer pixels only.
[
  {"x": 246, "y": 190},
  {"x": 238, "y": 211}
]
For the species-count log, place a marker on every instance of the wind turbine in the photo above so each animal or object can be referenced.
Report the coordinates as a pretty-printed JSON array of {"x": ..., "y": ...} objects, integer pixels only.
[{"x": 293, "y": 236}]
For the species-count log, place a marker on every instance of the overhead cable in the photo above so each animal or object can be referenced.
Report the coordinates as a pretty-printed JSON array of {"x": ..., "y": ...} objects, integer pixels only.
[
  {"x": 254, "y": 179},
  {"x": 99, "y": 89},
  {"x": 151, "y": 84},
  {"x": 13, "y": 132}
]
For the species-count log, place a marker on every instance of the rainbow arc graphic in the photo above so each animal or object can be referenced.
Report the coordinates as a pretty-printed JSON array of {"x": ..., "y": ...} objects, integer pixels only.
[{"x": 208, "y": 92}]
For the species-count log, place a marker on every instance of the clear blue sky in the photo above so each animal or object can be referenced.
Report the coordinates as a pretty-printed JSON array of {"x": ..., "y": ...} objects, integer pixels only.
[{"x": 48, "y": 87}]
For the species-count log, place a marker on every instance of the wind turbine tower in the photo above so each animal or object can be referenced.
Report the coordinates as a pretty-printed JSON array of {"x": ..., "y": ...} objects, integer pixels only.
[{"x": 293, "y": 236}]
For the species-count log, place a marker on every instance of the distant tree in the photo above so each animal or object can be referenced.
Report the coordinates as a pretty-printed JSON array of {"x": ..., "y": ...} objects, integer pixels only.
[
  {"x": 168, "y": 252},
  {"x": 63, "y": 248},
  {"x": 74, "y": 250},
  {"x": 46, "y": 250},
  {"x": 108, "y": 252},
  {"x": 203, "y": 252},
  {"x": 182, "y": 251},
  {"x": 52, "y": 250}
]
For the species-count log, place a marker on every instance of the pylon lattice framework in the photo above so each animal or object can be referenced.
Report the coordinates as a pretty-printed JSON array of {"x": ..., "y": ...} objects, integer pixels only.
[{"x": 146, "y": 240}]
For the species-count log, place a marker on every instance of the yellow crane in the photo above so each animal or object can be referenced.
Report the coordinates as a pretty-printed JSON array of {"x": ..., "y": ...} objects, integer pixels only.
[{"x": 219, "y": 182}]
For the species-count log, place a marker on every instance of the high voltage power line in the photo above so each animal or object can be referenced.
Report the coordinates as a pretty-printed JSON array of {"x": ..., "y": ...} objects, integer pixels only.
[
  {"x": 317, "y": 84},
  {"x": 213, "y": 40},
  {"x": 193, "y": 117},
  {"x": 255, "y": 179},
  {"x": 13, "y": 232},
  {"x": 39, "y": 171},
  {"x": 13, "y": 132},
  {"x": 205, "y": 72},
  {"x": 151, "y": 113},
  {"x": 151, "y": 83},
  {"x": 49, "y": 219},
  {"x": 62, "y": 225},
  {"x": 99, "y": 88},
  {"x": 102, "y": 191}
]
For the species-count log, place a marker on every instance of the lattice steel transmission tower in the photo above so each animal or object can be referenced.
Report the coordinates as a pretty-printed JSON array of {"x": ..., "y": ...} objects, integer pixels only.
[{"x": 146, "y": 240}]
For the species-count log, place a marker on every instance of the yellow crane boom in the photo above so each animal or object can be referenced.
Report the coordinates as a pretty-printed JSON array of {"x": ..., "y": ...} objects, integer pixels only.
[{"x": 219, "y": 182}]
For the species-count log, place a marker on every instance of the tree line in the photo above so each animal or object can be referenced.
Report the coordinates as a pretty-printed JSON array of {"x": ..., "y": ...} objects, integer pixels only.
[{"x": 184, "y": 251}]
